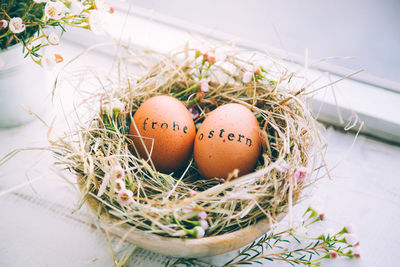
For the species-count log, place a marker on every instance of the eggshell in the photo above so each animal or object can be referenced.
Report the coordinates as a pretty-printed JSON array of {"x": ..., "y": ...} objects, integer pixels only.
[
  {"x": 167, "y": 130},
  {"x": 228, "y": 139}
]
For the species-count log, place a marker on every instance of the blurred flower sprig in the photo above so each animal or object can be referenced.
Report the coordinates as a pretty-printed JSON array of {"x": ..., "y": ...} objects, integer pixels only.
[{"x": 28, "y": 22}]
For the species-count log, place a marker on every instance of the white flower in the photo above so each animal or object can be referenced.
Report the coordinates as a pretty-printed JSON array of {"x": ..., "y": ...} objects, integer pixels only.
[
  {"x": 199, "y": 232},
  {"x": 351, "y": 239},
  {"x": 204, "y": 85},
  {"x": 16, "y": 25},
  {"x": 54, "y": 10},
  {"x": 96, "y": 21},
  {"x": 53, "y": 39},
  {"x": 125, "y": 197},
  {"x": 49, "y": 61},
  {"x": 40, "y": 1},
  {"x": 3, "y": 23},
  {"x": 202, "y": 216},
  {"x": 119, "y": 185},
  {"x": 300, "y": 174},
  {"x": 204, "y": 224},
  {"x": 247, "y": 76},
  {"x": 117, "y": 172},
  {"x": 2, "y": 63},
  {"x": 76, "y": 7}
]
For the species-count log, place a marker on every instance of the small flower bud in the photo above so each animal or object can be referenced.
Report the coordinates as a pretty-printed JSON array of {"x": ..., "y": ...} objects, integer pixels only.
[
  {"x": 355, "y": 253},
  {"x": 204, "y": 224},
  {"x": 256, "y": 70},
  {"x": 300, "y": 174},
  {"x": 53, "y": 39},
  {"x": 322, "y": 216},
  {"x": 199, "y": 232},
  {"x": 202, "y": 216},
  {"x": 333, "y": 254},
  {"x": 211, "y": 60},
  {"x": 351, "y": 239},
  {"x": 3, "y": 23},
  {"x": 198, "y": 53},
  {"x": 350, "y": 229},
  {"x": 204, "y": 85},
  {"x": 194, "y": 113}
]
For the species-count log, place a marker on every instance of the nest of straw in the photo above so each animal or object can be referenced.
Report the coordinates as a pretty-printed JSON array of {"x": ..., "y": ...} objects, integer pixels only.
[{"x": 160, "y": 200}]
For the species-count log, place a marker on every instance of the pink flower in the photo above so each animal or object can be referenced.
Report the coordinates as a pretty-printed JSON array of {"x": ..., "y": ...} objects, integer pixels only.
[
  {"x": 125, "y": 197},
  {"x": 117, "y": 172},
  {"x": 119, "y": 185},
  {"x": 3, "y": 23},
  {"x": 194, "y": 113},
  {"x": 300, "y": 174},
  {"x": 16, "y": 25},
  {"x": 204, "y": 85}
]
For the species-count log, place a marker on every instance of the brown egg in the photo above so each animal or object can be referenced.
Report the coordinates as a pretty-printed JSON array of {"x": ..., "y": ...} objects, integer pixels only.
[
  {"x": 228, "y": 139},
  {"x": 167, "y": 130}
]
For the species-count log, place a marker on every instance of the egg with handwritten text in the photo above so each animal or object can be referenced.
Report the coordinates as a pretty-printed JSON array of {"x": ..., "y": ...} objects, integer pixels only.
[
  {"x": 163, "y": 129},
  {"x": 228, "y": 139}
]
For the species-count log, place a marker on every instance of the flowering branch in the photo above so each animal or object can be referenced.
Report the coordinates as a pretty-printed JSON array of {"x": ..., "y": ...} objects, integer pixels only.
[
  {"x": 308, "y": 251},
  {"x": 23, "y": 22}
]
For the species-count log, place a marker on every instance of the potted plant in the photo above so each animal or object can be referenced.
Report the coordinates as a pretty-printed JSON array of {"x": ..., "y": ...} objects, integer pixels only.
[{"x": 27, "y": 27}]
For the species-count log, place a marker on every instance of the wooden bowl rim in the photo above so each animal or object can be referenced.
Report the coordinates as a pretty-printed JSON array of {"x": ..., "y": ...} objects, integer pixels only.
[{"x": 181, "y": 247}]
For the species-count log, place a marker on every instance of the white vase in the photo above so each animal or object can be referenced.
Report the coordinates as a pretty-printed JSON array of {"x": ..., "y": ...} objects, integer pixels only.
[{"x": 23, "y": 86}]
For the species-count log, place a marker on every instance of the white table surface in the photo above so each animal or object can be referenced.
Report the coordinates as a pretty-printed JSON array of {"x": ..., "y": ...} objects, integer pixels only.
[{"x": 38, "y": 226}]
